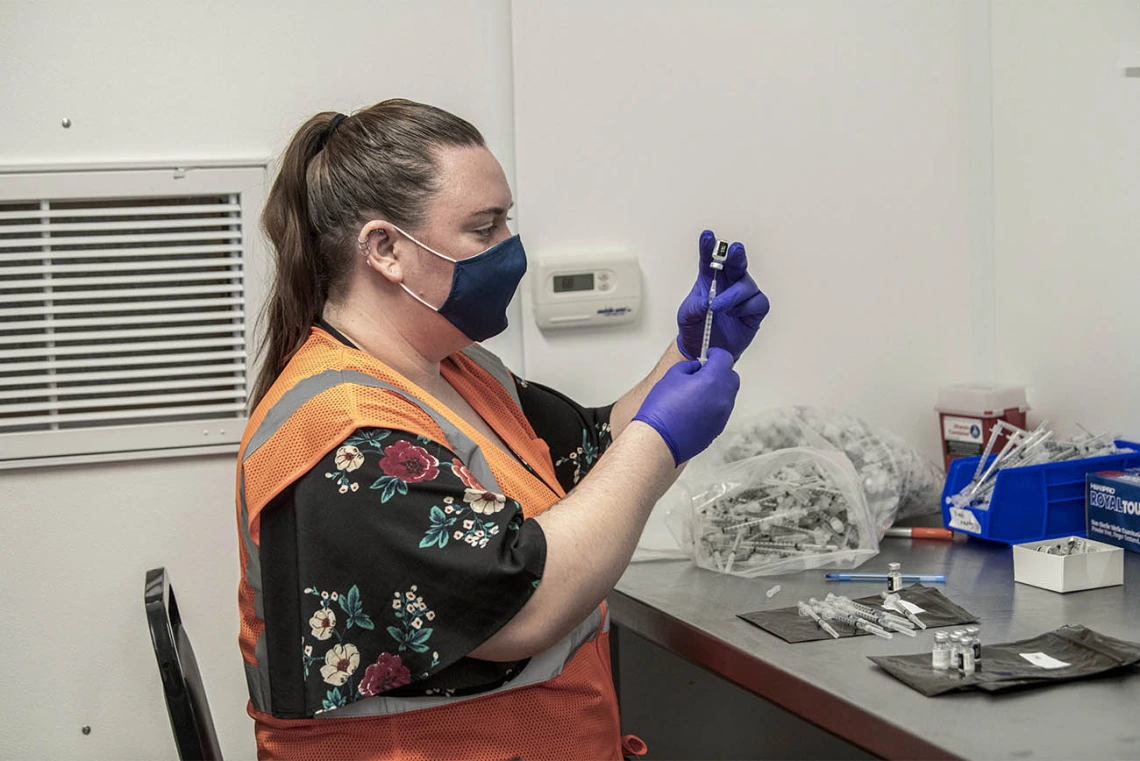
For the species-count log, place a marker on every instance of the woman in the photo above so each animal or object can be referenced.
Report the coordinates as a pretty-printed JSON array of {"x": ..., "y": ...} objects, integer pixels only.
[{"x": 426, "y": 539}]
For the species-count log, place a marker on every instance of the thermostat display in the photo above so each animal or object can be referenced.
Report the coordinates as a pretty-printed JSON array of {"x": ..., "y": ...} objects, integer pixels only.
[
  {"x": 567, "y": 283},
  {"x": 586, "y": 290}
]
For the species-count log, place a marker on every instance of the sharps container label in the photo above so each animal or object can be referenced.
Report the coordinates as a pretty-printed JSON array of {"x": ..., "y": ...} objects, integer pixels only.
[{"x": 963, "y": 436}]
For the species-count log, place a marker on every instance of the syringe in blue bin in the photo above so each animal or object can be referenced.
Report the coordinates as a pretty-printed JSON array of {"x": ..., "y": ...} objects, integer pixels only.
[{"x": 1023, "y": 449}]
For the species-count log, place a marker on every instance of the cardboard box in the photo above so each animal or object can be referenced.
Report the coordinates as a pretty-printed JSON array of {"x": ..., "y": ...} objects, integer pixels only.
[
  {"x": 1112, "y": 508},
  {"x": 1068, "y": 573}
]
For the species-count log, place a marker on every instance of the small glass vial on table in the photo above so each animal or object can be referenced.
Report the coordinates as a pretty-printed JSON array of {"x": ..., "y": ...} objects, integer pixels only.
[
  {"x": 956, "y": 650},
  {"x": 894, "y": 577},
  {"x": 974, "y": 633},
  {"x": 940, "y": 657},
  {"x": 966, "y": 658}
]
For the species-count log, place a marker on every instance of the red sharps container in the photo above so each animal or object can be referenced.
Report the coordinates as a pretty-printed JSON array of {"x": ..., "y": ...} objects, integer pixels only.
[{"x": 969, "y": 411}]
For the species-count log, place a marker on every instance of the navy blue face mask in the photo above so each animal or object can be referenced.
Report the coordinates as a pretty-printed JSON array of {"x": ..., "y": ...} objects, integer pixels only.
[{"x": 481, "y": 287}]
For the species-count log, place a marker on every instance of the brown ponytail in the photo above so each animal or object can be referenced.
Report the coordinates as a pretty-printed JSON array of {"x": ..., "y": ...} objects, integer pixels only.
[{"x": 377, "y": 163}]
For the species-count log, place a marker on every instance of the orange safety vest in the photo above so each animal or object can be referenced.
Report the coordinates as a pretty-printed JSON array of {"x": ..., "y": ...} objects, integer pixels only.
[{"x": 562, "y": 705}]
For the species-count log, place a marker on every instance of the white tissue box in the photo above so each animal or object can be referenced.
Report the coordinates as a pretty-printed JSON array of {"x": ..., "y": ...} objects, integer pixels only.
[{"x": 1068, "y": 573}]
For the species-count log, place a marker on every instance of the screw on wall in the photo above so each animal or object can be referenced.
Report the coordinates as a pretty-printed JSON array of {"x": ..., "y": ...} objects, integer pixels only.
[
  {"x": 66, "y": 123},
  {"x": 86, "y": 729}
]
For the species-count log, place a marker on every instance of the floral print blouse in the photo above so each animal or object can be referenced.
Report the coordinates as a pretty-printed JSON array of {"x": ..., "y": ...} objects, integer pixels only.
[{"x": 388, "y": 563}]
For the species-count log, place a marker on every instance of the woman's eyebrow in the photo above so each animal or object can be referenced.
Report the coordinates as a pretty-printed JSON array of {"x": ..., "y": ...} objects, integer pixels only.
[{"x": 492, "y": 210}]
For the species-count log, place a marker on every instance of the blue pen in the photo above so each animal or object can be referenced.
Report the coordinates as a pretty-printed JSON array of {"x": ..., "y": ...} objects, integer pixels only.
[{"x": 908, "y": 578}]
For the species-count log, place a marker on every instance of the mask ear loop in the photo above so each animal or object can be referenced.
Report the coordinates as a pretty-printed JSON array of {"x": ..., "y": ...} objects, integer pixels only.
[
  {"x": 427, "y": 248},
  {"x": 364, "y": 252}
]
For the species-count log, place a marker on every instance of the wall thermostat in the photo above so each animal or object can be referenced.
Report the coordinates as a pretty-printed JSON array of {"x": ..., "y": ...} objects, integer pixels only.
[{"x": 578, "y": 291}]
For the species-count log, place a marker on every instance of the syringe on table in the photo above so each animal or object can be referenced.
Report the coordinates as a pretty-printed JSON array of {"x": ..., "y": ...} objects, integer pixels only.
[
  {"x": 856, "y": 615},
  {"x": 719, "y": 257}
]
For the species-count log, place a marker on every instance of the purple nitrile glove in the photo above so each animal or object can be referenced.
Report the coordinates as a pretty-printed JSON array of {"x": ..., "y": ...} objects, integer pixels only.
[
  {"x": 691, "y": 403},
  {"x": 738, "y": 309}
]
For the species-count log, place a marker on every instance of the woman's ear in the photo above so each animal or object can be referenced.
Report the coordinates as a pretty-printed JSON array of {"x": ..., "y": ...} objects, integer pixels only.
[{"x": 377, "y": 245}]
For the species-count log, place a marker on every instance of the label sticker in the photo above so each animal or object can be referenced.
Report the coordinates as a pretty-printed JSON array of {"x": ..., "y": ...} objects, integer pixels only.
[
  {"x": 964, "y": 520},
  {"x": 965, "y": 429},
  {"x": 962, "y": 436},
  {"x": 1041, "y": 660},
  {"x": 910, "y": 606}
]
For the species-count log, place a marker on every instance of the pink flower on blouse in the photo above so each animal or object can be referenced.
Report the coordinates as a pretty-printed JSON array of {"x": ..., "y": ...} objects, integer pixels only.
[{"x": 387, "y": 673}]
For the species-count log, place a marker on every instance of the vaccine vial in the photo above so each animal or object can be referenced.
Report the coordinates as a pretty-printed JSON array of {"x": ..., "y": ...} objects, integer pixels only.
[
  {"x": 940, "y": 658},
  {"x": 966, "y": 659},
  {"x": 956, "y": 651},
  {"x": 974, "y": 633},
  {"x": 894, "y": 577}
]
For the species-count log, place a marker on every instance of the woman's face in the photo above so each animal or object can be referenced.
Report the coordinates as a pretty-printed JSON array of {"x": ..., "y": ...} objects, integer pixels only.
[{"x": 467, "y": 215}]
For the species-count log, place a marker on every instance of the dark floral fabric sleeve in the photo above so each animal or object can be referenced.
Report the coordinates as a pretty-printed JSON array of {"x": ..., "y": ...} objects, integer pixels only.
[
  {"x": 577, "y": 435},
  {"x": 390, "y": 563}
]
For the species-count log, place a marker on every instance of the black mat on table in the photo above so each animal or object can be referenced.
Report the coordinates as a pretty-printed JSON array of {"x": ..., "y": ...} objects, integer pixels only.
[
  {"x": 790, "y": 626},
  {"x": 1087, "y": 654}
]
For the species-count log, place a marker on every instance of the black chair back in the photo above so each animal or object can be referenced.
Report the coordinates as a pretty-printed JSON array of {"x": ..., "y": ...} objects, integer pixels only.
[{"x": 182, "y": 685}]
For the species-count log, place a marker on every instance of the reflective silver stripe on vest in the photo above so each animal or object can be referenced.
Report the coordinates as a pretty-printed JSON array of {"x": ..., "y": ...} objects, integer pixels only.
[
  {"x": 541, "y": 668},
  {"x": 494, "y": 367},
  {"x": 291, "y": 401},
  {"x": 305, "y": 390},
  {"x": 256, "y": 676}
]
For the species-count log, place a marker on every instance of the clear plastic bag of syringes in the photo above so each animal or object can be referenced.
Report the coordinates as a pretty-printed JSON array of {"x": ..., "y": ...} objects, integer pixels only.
[{"x": 779, "y": 513}]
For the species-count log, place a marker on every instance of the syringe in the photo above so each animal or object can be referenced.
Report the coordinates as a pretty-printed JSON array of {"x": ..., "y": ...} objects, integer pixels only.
[
  {"x": 832, "y": 613},
  {"x": 894, "y": 602},
  {"x": 870, "y": 615},
  {"x": 719, "y": 256},
  {"x": 809, "y": 612},
  {"x": 791, "y": 514}
]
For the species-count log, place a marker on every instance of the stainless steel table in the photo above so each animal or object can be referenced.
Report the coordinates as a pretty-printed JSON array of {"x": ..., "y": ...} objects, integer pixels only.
[{"x": 692, "y": 612}]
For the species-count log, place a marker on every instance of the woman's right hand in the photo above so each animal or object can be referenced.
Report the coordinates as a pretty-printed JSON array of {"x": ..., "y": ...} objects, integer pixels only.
[{"x": 690, "y": 405}]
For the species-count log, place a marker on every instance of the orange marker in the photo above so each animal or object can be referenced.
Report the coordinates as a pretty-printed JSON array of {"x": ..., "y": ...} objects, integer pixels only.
[{"x": 918, "y": 532}]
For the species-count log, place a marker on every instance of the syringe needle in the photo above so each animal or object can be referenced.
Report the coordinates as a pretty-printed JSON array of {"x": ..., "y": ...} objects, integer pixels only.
[
  {"x": 808, "y": 611},
  {"x": 872, "y": 629}
]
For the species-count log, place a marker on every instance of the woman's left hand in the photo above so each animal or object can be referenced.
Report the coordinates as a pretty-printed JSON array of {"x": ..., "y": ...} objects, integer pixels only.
[{"x": 738, "y": 309}]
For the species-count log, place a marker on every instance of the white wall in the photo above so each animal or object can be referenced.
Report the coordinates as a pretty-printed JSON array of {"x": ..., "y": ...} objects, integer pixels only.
[
  {"x": 220, "y": 80},
  {"x": 78, "y": 542},
  {"x": 153, "y": 81},
  {"x": 854, "y": 154},
  {"x": 1067, "y": 188},
  {"x": 834, "y": 138}
]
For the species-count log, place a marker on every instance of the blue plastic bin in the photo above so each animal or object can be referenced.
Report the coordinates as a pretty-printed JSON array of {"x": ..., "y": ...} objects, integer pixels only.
[{"x": 1035, "y": 503}]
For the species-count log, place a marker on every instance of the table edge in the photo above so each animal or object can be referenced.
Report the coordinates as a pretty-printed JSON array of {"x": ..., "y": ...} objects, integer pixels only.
[{"x": 826, "y": 710}]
